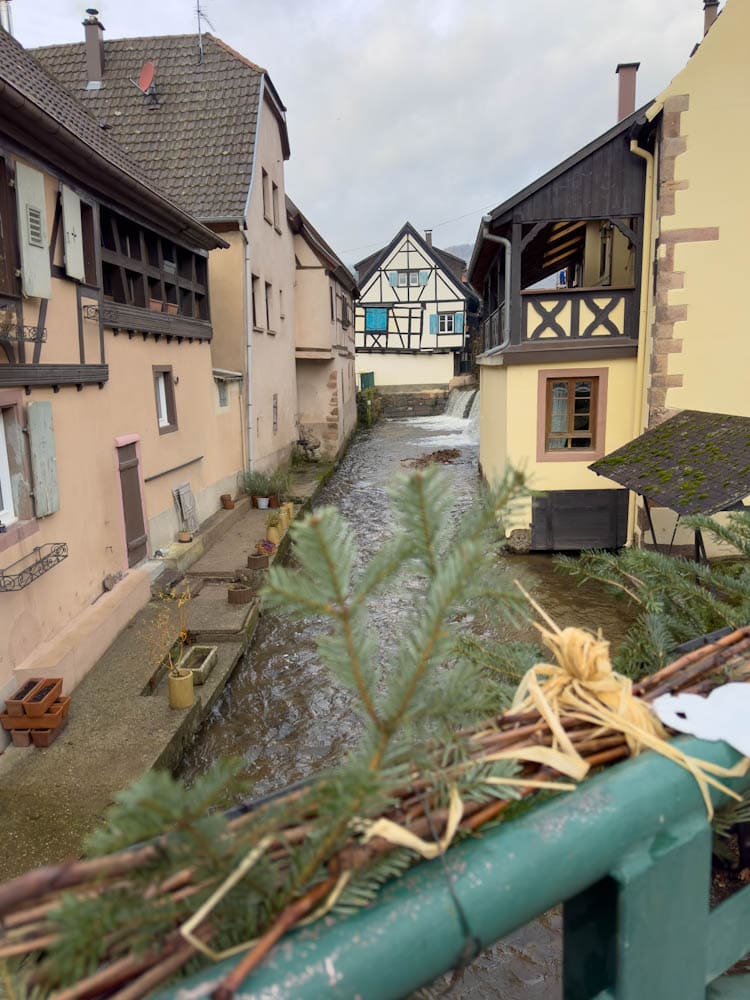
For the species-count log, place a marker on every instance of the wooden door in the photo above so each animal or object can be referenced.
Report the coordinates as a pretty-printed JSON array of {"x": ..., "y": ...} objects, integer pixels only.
[{"x": 130, "y": 485}]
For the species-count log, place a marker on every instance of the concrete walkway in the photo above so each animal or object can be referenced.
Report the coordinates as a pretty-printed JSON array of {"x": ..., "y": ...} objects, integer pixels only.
[{"x": 120, "y": 723}]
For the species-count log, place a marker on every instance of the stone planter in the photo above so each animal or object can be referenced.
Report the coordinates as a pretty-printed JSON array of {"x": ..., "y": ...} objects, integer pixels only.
[
  {"x": 199, "y": 661},
  {"x": 181, "y": 689},
  {"x": 239, "y": 594},
  {"x": 14, "y": 704},
  {"x": 257, "y": 561}
]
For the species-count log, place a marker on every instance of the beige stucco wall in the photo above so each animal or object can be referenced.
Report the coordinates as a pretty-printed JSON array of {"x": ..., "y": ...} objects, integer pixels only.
[
  {"x": 226, "y": 280},
  {"x": 508, "y": 425},
  {"x": 407, "y": 369},
  {"x": 271, "y": 259},
  {"x": 706, "y": 365},
  {"x": 51, "y": 613}
]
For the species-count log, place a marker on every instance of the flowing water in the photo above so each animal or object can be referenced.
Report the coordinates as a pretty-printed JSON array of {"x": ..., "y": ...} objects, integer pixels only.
[{"x": 286, "y": 719}]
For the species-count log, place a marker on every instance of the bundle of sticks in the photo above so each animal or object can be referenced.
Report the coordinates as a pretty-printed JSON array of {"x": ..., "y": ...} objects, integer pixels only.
[{"x": 27, "y": 904}]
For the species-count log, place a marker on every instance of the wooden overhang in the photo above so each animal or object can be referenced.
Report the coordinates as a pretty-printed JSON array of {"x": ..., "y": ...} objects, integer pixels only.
[
  {"x": 601, "y": 180},
  {"x": 693, "y": 463}
]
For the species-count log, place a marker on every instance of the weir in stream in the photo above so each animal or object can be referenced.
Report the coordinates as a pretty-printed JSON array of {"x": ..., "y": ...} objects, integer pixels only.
[{"x": 286, "y": 718}]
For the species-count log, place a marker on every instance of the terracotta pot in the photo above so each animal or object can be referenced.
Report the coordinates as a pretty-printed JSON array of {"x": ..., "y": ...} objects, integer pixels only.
[
  {"x": 226, "y": 501},
  {"x": 45, "y": 737},
  {"x": 171, "y": 308},
  {"x": 40, "y": 699},
  {"x": 181, "y": 689},
  {"x": 21, "y": 737},
  {"x": 51, "y": 719},
  {"x": 257, "y": 560},
  {"x": 154, "y": 305},
  {"x": 273, "y": 500},
  {"x": 14, "y": 704},
  {"x": 238, "y": 594},
  {"x": 273, "y": 534},
  {"x": 184, "y": 536}
]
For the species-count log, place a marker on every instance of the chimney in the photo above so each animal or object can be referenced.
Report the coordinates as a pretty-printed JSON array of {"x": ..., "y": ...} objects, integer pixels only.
[
  {"x": 94, "y": 30},
  {"x": 710, "y": 13},
  {"x": 428, "y": 237},
  {"x": 626, "y": 89},
  {"x": 6, "y": 21}
]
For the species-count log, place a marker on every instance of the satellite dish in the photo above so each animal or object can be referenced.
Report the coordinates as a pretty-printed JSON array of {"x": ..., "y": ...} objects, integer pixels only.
[{"x": 146, "y": 78}]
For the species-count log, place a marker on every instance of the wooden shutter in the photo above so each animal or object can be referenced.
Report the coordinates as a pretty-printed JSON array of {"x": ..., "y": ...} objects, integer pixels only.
[
  {"x": 32, "y": 230},
  {"x": 424, "y": 277},
  {"x": 458, "y": 322},
  {"x": 434, "y": 323},
  {"x": 43, "y": 460},
  {"x": 392, "y": 278},
  {"x": 8, "y": 241},
  {"x": 376, "y": 319},
  {"x": 73, "y": 234}
]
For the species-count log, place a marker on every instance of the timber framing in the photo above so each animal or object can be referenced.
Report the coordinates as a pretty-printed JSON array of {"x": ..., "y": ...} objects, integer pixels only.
[{"x": 30, "y": 377}]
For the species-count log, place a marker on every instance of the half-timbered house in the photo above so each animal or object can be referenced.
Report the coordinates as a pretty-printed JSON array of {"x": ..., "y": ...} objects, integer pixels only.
[
  {"x": 110, "y": 416},
  {"x": 411, "y": 320},
  {"x": 325, "y": 290},
  {"x": 211, "y": 128},
  {"x": 559, "y": 266}
]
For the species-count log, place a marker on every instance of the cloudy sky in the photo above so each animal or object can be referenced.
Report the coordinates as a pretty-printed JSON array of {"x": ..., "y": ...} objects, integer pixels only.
[{"x": 427, "y": 110}]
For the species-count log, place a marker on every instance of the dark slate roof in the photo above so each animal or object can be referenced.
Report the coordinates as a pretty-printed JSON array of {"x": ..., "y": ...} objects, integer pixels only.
[
  {"x": 693, "y": 463},
  {"x": 29, "y": 94},
  {"x": 299, "y": 223},
  {"x": 448, "y": 262},
  {"x": 200, "y": 140}
]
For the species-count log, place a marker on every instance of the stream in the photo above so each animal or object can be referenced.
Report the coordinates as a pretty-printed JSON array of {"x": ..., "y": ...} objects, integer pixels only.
[{"x": 284, "y": 716}]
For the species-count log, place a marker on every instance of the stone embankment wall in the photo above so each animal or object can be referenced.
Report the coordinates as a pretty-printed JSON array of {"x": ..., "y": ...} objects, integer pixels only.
[{"x": 419, "y": 403}]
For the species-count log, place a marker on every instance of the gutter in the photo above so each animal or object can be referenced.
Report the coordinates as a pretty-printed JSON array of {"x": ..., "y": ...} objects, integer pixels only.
[
  {"x": 248, "y": 308},
  {"x": 505, "y": 243}
]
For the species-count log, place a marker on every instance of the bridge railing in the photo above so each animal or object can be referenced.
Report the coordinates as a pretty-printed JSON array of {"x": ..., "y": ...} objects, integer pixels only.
[{"x": 629, "y": 856}]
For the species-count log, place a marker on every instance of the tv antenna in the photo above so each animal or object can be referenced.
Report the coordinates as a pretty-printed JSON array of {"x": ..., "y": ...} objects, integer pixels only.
[{"x": 201, "y": 16}]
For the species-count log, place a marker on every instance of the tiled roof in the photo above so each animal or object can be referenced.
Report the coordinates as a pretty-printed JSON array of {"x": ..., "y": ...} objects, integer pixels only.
[
  {"x": 199, "y": 141},
  {"x": 693, "y": 463}
]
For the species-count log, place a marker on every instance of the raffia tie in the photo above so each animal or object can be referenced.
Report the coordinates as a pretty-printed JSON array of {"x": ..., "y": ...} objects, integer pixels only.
[{"x": 582, "y": 685}]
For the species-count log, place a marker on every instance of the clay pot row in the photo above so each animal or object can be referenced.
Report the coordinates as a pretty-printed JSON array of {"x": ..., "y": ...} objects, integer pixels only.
[
  {"x": 38, "y": 737},
  {"x": 34, "y": 697},
  {"x": 53, "y": 718}
]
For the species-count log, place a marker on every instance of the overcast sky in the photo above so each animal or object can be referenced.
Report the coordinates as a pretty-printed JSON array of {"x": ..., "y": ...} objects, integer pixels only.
[{"x": 427, "y": 110}]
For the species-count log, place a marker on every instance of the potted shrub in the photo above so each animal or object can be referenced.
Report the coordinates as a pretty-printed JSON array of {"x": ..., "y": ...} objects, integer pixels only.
[
  {"x": 180, "y": 680},
  {"x": 273, "y": 527},
  {"x": 279, "y": 485},
  {"x": 258, "y": 486},
  {"x": 262, "y": 555}
]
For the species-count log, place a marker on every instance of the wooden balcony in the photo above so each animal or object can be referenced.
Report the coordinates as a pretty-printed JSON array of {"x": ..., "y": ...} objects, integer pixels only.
[{"x": 135, "y": 319}]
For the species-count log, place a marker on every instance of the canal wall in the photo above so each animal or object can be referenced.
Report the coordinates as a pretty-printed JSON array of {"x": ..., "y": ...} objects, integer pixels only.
[{"x": 407, "y": 401}]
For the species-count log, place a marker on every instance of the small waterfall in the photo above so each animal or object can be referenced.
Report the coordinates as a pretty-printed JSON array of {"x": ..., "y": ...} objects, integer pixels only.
[
  {"x": 473, "y": 414},
  {"x": 460, "y": 402}
]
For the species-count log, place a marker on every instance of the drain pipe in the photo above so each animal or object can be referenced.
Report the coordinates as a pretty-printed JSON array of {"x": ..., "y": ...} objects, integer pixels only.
[
  {"x": 644, "y": 340},
  {"x": 248, "y": 303},
  {"x": 487, "y": 235}
]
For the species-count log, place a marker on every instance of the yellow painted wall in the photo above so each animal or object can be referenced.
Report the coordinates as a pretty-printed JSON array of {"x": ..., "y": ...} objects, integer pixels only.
[
  {"x": 713, "y": 360},
  {"x": 226, "y": 279},
  {"x": 508, "y": 425},
  {"x": 407, "y": 369}
]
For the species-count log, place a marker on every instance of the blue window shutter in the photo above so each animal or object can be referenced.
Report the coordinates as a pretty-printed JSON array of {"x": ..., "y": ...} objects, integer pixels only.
[
  {"x": 458, "y": 323},
  {"x": 392, "y": 277},
  {"x": 424, "y": 277},
  {"x": 376, "y": 319},
  {"x": 43, "y": 461},
  {"x": 433, "y": 323}
]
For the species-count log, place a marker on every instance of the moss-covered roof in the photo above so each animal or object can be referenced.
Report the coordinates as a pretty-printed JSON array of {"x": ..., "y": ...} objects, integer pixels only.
[{"x": 692, "y": 463}]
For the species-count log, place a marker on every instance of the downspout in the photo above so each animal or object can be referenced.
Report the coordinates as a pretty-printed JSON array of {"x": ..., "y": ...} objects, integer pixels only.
[
  {"x": 644, "y": 339},
  {"x": 248, "y": 324},
  {"x": 505, "y": 243}
]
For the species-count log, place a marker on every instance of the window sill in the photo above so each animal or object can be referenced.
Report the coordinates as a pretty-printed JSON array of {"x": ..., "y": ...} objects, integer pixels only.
[
  {"x": 258, "y": 329},
  {"x": 271, "y": 333},
  {"x": 277, "y": 228},
  {"x": 268, "y": 219},
  {"x": 168, "y": 428},
  {"x": 17, "y": 532},
  {"x": 571, "y": 455}
]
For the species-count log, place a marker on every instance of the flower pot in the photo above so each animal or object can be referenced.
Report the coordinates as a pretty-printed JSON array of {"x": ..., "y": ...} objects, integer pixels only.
[
  {"x": 40, "y": 699},
  {"x": 289, "y": 508},
  {"x": 181, "y": 689},
  {"x": 154, "y": 305},
  {"x": 199, "y": 661},
  {"x": 21, "y": 737},
  {"x": 226, "y": 501},
  {"x": 171, "y": 308},
  {"x": 261, "y": 503},
  {"x": 45, "y": 737},
  {"x": 273, "y": 500},
  {"x": 273, "y": 534},
  {"x": 52, "y": 719},
  {"x": 237, "y": 594},
  {"x": 284, "y": 519},
  {"x": 14, "y": 704},
  {"x": 257, "y": 560},
  {"x": 184, "y": 536}
]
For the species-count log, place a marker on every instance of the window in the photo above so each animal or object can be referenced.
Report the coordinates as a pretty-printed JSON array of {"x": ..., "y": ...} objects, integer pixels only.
[
  {"x": 445, "y": 323},
  {"x": 7, "y": 507},
  {"x": 269, "y": 307},
  {"x": 265, "y": 183},
  {"x": 281, "y": 303},
  {"x": 346, "y": 313},
  {"x": 333, "y": 308},
  {"x": 275, "y": 206},
  {"x": 413, "y": 278},
  {"x": 255, "y": 288},
  {"x": 166, "y": 414},
  {"x": 8, "y": 243},
  {"x": 571, "y": 412},
  {"x": 403, "y": 279},
  {"x": 223, "y": 394},
  {"x": 275, "y": 413}
]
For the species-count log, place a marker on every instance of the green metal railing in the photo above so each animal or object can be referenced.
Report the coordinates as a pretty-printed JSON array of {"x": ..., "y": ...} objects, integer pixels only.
[{"x": 628, "y": 854}]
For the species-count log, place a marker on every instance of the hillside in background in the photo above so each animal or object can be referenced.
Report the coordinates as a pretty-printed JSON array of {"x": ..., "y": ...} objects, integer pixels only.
[{"x": 462, "y": 250}]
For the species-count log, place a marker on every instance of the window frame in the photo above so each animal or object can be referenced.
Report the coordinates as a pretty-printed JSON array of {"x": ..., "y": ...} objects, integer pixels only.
[
  {"x": 275, "y": 206},
  {"x": 599, "y": 377},
  {"x": 10, "y": 283},
  {"x": 266, "y": 194},
  {"x": 223, "y": 393},
  {"x": 282, "y": 311},
  {"x": 164, "y": 380},
  {"x": 415, "y": 276},
  {"x": 8, "y": 514},
  {"x": 269, "y": 306},
  {"x": 446, "y": 316},
  {"x": 405, "y": 282},
  {"x": 254, "y": 292}
]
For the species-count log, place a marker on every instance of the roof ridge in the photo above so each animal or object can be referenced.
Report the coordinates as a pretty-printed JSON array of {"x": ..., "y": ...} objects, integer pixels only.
[{"x": 236, "y": 54}]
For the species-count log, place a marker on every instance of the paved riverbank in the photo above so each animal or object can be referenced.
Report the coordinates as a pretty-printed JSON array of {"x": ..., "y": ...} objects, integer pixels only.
[{"x": 120, "y": 723}]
